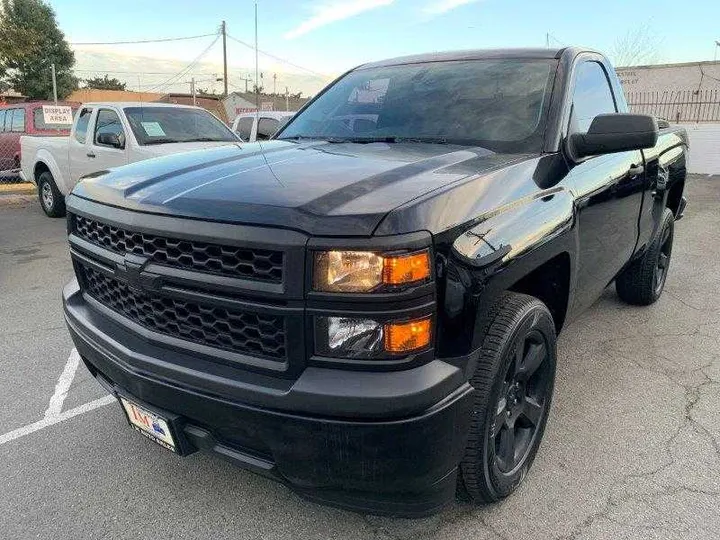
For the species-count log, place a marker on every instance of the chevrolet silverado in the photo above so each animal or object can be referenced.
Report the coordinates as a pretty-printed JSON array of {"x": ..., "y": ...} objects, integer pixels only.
[{"x": 366, "y": 307}]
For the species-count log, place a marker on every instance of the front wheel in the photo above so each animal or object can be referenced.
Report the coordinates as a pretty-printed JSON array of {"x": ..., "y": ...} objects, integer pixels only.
[
  {"x": 514, "y": 381},
  {"x": 51, "y": 200}
]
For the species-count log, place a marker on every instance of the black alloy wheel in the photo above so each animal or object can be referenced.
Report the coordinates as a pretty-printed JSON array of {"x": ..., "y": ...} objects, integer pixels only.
[
  {"x": 513, "y": 381},
  {"x": 523, "y": 403},
  {"x": 643, "y": 281}
]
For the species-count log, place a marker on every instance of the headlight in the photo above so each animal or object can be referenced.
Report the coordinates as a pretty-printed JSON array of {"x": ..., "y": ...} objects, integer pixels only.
[
  {"x": 345, "y": 337},
  {"x": 364, "y": 271}
]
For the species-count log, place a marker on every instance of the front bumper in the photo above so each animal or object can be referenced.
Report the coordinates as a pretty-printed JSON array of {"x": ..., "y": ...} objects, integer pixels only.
[{"x": 386, "y": 443}]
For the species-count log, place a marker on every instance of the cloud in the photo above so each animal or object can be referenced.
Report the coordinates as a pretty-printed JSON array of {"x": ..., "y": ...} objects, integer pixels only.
[
  {"x": 439, "y": 7},
  {"x": 328, "y": 12}
]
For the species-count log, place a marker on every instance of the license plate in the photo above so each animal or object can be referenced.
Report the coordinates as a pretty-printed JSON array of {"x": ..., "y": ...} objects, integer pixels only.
[{"x": 151, "y": 425}]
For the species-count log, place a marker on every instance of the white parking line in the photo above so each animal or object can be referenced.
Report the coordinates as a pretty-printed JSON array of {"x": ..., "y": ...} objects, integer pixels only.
[
  {"x": 54, "y": 414},
  {"x": 63, "y": 385},
  {"x": 52, "y": 420}
]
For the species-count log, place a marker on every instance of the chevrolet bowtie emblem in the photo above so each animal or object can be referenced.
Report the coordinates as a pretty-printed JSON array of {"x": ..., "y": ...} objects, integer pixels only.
[{"x": 132, "y": 271}]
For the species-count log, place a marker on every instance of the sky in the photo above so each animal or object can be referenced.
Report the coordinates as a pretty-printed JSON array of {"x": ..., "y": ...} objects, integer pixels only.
[{"x": 324, "y": 38}]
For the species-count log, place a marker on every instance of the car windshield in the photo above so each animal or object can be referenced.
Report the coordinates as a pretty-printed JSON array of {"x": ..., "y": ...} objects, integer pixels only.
[
  {"x": 498, "y": 104},
  {"x": 160, "y": 125}
]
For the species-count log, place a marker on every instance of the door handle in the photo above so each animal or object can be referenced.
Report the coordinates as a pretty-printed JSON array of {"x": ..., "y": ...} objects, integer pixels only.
[
  {"x": 635, "y": 170},
  {"x": 90, "y": 154}
]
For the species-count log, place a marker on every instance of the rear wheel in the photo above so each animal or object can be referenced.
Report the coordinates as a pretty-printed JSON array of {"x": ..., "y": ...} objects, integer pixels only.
[
  {"x": 643, "y": 281},
  {"x": 514, "y": 380},
  {"x": 51, "y": 200}
]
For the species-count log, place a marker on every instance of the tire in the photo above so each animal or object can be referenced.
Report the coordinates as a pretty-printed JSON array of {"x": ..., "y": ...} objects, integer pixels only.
[
  {"x": 642, "y": 282},
  {"x": 514, "y": 381},
  {"x": 51, "y": 200}
]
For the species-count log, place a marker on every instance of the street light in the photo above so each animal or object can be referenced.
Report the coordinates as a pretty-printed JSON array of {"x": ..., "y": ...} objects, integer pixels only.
[{"x": 717, "y": 44}]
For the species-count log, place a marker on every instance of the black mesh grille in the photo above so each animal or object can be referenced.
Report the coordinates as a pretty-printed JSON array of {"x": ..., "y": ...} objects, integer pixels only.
[
  {"x": 214, "y": 326},
  {"x": 260, "y": 264}
]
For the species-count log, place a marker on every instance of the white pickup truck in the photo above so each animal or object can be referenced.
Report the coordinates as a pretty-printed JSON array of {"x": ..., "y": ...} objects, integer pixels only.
[
  {"x": 106, "y": 135},
  {"x": 251, "y": 127}
]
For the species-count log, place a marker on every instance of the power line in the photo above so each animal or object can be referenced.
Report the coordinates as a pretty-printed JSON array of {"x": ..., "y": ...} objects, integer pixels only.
[
  {"x": 549, "y": 35},
  {"x": 284, "y": 61},
  {"x": 130, "y": 72},
  {"x": 187, "y": 68},
  {"x": 160, "y": 40}
]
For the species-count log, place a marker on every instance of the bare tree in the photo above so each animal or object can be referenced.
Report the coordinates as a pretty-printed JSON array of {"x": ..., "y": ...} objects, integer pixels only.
[{"x": 639, "y": 46}]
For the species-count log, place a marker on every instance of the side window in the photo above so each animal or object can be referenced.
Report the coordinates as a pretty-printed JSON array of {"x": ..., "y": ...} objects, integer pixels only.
[
  {"x": 18, "y": 120},
  {"x": 267, "y": 128},
  {"x": 82, "y": 125},
  {"x": 8, "y": 119},
  {"x": 244, "y": 128},
  {"x": 2, "y": 120},
  {"x": 108, "y": 124},
  {"x": 592, "y": 96}
]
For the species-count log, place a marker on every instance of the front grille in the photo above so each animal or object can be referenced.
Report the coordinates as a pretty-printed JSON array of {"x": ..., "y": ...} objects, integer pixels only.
[
  {"x": 258, "y": 264},
  {"x": 219, "y": 327}
]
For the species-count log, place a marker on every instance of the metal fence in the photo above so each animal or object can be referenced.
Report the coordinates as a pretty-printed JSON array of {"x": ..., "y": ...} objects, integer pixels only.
[{"x": 678, "y": 106}]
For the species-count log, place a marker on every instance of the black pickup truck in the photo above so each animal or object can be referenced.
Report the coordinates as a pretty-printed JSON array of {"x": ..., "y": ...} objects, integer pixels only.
[{"x": 366, "y": 307}]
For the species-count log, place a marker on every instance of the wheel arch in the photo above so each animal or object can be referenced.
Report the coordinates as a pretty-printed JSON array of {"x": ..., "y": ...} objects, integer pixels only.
[
  {"x": 530, "y": 248},
  {"x": 46, "y": 162}
]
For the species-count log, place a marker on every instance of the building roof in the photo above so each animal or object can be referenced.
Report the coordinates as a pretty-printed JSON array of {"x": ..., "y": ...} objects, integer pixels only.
[
  {"x": 679, "y": 64},
  {"x": 123, "y": 104},
  {"x": 95, "y": 94},
  {"x": 197, "y": 96}
]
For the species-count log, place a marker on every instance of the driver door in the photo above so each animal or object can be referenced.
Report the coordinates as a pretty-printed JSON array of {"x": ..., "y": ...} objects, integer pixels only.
[
  {"x": 608, "y": 190},
  {"x": 107, "y": 155}
]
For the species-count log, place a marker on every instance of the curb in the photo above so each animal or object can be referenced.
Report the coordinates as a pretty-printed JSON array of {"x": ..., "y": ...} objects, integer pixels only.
[{"x": 20, "y": 188}]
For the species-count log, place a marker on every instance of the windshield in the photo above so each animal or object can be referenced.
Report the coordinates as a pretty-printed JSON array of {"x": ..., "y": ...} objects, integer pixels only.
[
  {"x": 498, "y": 104},
  {"x": 159, "y": 125}
]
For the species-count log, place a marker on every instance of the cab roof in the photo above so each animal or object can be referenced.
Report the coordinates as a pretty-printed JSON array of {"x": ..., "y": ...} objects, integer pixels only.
[{"x": 478, "y": 54}]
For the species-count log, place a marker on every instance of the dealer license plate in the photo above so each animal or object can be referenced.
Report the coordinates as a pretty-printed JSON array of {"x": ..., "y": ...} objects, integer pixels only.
[{"x": 151, "y": 425}]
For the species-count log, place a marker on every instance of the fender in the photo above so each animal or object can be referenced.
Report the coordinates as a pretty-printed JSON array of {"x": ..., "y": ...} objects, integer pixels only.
[
  {"x": 502, "y": 248},
  {"x": 61, "y": 180},
  {"x": 515, "y": 229}
]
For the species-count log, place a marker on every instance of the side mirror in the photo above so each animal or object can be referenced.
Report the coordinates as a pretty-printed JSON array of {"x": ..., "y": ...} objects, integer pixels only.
[
  {"x": 617, "y": 132},
  {"x": 110, "y": 139}
]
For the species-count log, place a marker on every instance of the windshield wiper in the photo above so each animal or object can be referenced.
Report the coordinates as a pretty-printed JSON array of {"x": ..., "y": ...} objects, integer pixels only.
[
  {"x": 364, "y": 140},
  {"x": 161, "y": 141},
  {"x": 203, "y": 139},
  {"x": 300, "y": 137},
  {"x": 388, "y": 139}
]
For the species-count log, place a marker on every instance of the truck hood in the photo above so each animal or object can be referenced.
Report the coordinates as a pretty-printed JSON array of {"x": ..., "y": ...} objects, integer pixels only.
[
  {"x": 177, "y": 148},
  {"x": 320, "y": 188}
]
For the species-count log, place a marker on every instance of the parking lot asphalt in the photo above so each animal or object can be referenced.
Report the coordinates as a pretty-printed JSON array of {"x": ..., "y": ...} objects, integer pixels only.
[{"x": 632, "y": 448}]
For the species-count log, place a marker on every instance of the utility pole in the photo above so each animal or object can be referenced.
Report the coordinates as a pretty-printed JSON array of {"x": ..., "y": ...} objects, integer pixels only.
[
  {"x": 257, "y": 68},
  {"x": 717, "y": 45},
  {"x": 224, "y": 37},
  {"x": 287, "y": 99},
  {"x": 192, "y": 90},
  {"x": 547, "y": 40},
  {"x": 54, "y": 79},
  {"x": 274, "y": 83}
]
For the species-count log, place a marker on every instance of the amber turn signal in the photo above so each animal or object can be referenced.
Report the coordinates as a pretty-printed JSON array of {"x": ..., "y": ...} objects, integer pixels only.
[
  {"x": 406, "y": 268},
  {"x": 407, "y": 336}
]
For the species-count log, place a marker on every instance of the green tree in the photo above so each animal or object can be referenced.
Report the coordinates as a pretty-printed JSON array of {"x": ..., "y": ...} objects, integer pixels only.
[
  {"x": 105, "y": 83},
  {"x": 30, "y": 41}
]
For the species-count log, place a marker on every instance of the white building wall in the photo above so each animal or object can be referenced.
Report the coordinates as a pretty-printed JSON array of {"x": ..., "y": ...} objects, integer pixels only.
[
  {"x": 670, "y": 77},
  {"x": 704, "y": 140}
]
